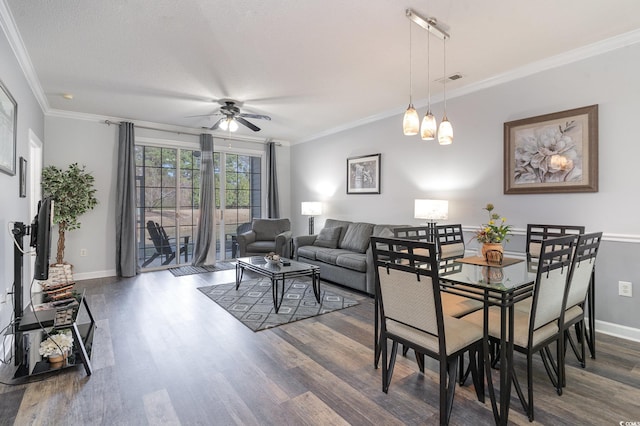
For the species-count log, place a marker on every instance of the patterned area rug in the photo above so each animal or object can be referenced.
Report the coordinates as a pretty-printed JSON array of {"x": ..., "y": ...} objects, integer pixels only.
[
  {"x": 252, "y": 304},
  {"x": 181, "y": 271}
]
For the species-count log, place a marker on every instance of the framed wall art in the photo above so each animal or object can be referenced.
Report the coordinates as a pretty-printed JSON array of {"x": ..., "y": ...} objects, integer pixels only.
[
  {"x": 8, "y": 125},
  {"x": 555, "y": 152},
  {"x": 363, "y": 174},
  {"x": 23, "y": 177}
]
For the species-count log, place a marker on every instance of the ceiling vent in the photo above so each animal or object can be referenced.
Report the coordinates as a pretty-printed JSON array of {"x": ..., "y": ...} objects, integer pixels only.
[{"x": 452, "y": 77}]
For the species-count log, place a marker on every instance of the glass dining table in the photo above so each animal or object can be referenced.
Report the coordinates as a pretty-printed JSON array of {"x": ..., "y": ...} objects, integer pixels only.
[{"x": 494, "y": 285}]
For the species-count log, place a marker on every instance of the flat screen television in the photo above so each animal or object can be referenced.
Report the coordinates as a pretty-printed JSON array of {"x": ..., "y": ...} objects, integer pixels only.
[{"x": 41, "y": 238}]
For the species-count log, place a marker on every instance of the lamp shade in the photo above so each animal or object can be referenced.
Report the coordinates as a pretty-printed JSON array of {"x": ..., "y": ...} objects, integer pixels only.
[
  {"x": 431, "y": 209},
  {"x": 411, "y": 121},
  {"x": 445, "y": 132},
  {"x": 311, "y": 208},
  {"x": 428, "y": 128}
]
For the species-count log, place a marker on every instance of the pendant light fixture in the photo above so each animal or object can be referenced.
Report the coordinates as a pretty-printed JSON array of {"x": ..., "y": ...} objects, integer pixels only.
[
  {"x": 411, "y": 120},
  {"x": 428, "y": 127},
  {"x": 445, "y": 131}
]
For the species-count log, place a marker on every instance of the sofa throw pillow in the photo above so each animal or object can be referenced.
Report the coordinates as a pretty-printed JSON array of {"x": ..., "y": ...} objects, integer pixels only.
[
  {"x": 357, "y": 237},
  {"x": 328, "y": 237}
]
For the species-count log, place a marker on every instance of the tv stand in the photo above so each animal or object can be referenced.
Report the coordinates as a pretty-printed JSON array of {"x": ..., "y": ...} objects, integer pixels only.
[{"x": 43, "y": 319}]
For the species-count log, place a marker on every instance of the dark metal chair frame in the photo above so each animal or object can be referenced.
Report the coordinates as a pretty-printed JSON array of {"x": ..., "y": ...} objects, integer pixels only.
[{"x": 536, "y": 234}]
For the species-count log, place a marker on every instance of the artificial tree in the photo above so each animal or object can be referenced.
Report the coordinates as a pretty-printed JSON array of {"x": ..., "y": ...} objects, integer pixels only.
[{"x": 73, "y": 193}]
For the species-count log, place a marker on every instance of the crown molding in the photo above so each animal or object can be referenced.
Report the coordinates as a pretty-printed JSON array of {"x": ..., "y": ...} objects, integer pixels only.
[
  {"x": 10, "y": 29},
  {"x": 575, "y": 55}
]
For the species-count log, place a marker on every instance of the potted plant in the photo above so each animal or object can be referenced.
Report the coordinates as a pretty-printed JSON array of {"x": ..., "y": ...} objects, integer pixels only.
[
  {"x": 492, "y": 234},
  {"x": 57, "y": 347},
  {"x": 73, "y": 193}
]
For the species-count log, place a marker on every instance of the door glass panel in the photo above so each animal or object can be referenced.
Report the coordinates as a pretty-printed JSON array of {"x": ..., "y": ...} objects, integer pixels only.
[{"x": 165, "y": 214}]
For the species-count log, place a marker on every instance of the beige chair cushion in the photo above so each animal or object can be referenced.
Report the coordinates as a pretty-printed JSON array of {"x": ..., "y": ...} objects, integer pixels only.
[
  {"x": 573, "y": 313},
  {"x": 458, "y": 306},
  {"x": 520, "y": 329},
  {"x": 451, "y": 250},
  {"x": 459, "y": 334},
  {"x": 524, "y": 305}
]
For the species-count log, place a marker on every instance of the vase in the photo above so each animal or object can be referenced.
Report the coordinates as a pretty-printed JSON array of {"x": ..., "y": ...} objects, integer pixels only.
[
  {"x": 493, "y": 253},
  {"x": 57, "y": 361}
]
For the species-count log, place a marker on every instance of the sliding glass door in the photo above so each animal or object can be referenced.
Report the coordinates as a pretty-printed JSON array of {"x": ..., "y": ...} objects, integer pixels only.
[
  {"x": 168, "y": 191},
  {"x": 238, "y": 183}
]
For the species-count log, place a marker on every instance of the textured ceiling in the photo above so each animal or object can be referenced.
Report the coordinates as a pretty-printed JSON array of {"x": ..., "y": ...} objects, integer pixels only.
[{"x": 313, "y": 66}]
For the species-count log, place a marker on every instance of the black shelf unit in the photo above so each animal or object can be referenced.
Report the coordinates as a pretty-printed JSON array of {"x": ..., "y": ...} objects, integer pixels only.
[{"x": 35, "y": 326}]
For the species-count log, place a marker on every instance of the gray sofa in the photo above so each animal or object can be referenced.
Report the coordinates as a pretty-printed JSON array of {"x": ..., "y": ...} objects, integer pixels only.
[{"x": 343, "y": 253}]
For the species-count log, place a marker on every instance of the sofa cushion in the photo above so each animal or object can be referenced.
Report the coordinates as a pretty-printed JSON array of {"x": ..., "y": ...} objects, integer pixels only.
[
  {"x": 261, "y": 247},
  {"x": 328, "y": 237},
  {"x": 334, "y": 223},
  {"x": 309, "y": 252},
  {"x": 357, "y": 237},
  {"x": 267, "y": 229},
  {"x": 330, "y": 256},
  {"x": 355, "y": 261}
]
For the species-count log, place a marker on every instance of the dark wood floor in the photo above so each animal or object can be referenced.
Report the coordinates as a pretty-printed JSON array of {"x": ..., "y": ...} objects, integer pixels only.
[{"x": 165, "y": 354}]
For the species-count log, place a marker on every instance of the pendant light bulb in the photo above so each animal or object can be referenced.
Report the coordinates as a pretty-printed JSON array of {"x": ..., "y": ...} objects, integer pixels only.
[
  {"x": 445, "y": 132},
  {"x": 411, "y": 121},
  {"x": 224, "y": 124},
  {"x": 428, "y": 128}
]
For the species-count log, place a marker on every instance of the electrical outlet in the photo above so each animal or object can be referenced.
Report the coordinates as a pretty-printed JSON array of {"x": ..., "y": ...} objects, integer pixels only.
[
  {"x": 625, "y": 289},
  {"x": 83, "y": 252}
]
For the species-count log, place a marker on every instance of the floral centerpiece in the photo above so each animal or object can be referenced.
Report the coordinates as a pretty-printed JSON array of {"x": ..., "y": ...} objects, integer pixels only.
[
  {"x": 492, "y": 234},
  {"x": 57, "y": 344}
]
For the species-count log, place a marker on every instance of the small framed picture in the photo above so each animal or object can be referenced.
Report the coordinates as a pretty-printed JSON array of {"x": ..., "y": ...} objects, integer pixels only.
[
  {"x": 8, "y": 126},
  {"x": 555, "y": 152},
  {"x": 363, "y": 174},
  {"x": 23, "y": 177}
]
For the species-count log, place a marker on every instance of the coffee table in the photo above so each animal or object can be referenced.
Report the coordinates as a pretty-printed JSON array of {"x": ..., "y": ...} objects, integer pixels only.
[{"x": 278, "y": 273}]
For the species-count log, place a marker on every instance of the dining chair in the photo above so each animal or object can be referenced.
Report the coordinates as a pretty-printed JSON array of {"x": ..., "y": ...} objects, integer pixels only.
[
  {"x": 535, "y": 234},
  {"x": 411, "y": 309},
  {"x": 534, "y": 331},
  {"x": 582, "y": 270}
]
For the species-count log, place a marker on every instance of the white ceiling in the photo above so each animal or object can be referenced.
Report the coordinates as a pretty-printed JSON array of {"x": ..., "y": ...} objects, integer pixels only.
[{"x": 314, "y": 66}]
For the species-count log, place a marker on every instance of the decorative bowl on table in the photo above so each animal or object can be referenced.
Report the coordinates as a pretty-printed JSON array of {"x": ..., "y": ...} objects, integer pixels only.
[{"x": 272, "y": 259}]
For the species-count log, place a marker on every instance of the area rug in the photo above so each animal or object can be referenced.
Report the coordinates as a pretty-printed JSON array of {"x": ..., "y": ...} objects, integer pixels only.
[
  {"x": 181, "y": 271},
  {"x": 252, "y": 303}
]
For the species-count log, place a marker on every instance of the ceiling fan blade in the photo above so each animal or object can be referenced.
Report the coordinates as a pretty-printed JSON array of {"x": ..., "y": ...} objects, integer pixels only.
[
  {"x": 217, "y": 124},
  {"x": 258, "y": 116},
  {"x": 203, "y": 115},
  {"x": 248, "y": 124}
]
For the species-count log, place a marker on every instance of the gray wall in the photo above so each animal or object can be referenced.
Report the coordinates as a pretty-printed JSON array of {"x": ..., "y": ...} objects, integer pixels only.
[
  {"x": 469, "y": 172},
  {"x": 15, "y": 209},
  {"x": 92, "y": 143}
]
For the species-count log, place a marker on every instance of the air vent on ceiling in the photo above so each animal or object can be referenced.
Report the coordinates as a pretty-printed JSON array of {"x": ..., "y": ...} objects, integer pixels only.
[{"x": 450, "y": 78}]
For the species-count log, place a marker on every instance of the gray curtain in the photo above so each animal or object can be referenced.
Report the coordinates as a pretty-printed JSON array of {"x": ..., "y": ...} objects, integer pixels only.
[
  {"x": 204, "y": 250},
  {"x": 126, "y": 257},
  {"x": 273, "y": 204}
]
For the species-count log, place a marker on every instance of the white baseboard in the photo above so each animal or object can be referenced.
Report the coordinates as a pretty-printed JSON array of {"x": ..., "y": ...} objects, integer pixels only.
[
  {"x": 618, "y": 330},
  {"x": 95, "y": 274}
]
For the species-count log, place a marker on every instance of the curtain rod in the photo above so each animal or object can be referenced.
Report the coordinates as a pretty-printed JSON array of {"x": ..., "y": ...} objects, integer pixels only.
[{"x": 109, "y": 123}]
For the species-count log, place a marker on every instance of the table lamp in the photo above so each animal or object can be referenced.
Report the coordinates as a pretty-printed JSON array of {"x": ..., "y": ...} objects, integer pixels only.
[
  {"x": 311, "y": 208},
  {"x": 432, "y": 210}
]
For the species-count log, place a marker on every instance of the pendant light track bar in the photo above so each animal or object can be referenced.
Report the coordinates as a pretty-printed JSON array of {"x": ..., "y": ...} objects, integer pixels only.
[{"x": 429, "y": 24}]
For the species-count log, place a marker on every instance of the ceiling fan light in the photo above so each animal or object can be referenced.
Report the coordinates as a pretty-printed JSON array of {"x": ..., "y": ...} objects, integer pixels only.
[
  {"x": 445, "y": 132},
  {"x": 233, "y": 125},
  {"x": 224, "y": 124},
  {"x": 428, "y": 128},
  {"x": 411, "y": 121}
]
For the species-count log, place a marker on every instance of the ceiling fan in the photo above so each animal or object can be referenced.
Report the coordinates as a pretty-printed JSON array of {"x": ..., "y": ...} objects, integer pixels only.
[{"x": 232, "y": 116}]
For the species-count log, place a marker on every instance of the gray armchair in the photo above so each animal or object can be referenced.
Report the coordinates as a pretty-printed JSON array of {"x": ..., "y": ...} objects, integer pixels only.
[{"x": 266, "y": 235}]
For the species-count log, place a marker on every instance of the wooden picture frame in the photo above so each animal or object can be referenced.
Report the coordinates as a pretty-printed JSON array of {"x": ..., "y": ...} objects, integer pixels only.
[
  {"x": 8, "y": 131},
  {"x": 551, "y": 153},
  {"x": 23, "y": 177},
  {"x": 363, "y": 174}
]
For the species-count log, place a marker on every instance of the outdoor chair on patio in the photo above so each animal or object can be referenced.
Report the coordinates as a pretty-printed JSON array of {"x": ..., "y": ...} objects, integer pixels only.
[{"x": 162, "y": 244}]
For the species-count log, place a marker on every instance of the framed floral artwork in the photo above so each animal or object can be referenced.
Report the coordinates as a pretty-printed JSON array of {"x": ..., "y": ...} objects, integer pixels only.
[
  {"x": 363, "y": 174},
  {"x": 555, "y": 152},
  {"x": 8, "y": 126}
]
